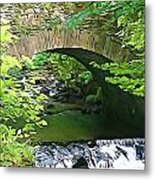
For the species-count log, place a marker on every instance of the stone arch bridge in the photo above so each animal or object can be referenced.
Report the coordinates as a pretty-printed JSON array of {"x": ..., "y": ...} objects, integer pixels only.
[{"x": 85, "y": 46}]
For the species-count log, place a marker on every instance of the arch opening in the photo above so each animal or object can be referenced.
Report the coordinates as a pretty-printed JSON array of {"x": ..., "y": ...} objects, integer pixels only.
[{"x": 118, "y": 105}]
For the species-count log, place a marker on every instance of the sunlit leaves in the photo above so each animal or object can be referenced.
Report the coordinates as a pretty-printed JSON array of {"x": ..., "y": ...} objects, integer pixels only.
[
  {"x": 85, "y": 77},
  {"x": 12, "y": 152},
  {"x": 42, "y": 123},
  {"x": 16, "y": 106},
  {"x": 8, "y": 62},
  {"x": 5, "y": 36},
  {"x": 65, "y": 68},
  {"x": 129, "y": 76},
  {"x": 127, "y": 16},
  {"x": 40, "y": 59},
  {"x": 132, "y": 32},
  {"x": 27, "y": 63}
]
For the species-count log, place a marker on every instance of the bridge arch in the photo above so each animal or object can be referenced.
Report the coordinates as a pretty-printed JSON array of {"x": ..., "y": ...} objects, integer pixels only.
[
  {"x": 90, "y": 40},
  {"x": 86, "y": 46}
]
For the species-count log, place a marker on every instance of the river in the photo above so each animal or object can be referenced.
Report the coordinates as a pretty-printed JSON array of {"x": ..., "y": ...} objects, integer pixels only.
[{"x": 73, "y": 139}]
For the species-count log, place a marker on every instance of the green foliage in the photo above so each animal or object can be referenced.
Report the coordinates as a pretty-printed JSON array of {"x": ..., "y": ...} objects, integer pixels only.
[
  {"x": 41, "y": 59},
  {"x": 76, "y": 19},
  {"x": 16, "y": 106},
  {"x": 125, "y": 20},
  {"x": 27, "y": 63},
  {"x": 130, "y": 21},
  {"x": 127, "y": 16},
  {"x": 85, "y": 77},
  {"x": 91, "y": 9},
  {"x": 8, "y": 62},
  {"x": 129, "y": 76},
  {"x": 12, "y": 152},
  {"x": 6, "y": 37},
  {"x": 65, "y": 68}
]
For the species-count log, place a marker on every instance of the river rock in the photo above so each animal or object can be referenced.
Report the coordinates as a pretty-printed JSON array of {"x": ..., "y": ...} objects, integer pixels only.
[{"x": 105, "y": 154}]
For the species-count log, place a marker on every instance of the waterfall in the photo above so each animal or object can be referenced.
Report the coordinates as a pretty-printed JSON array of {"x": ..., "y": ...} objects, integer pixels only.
[{"x": 101, "y": 154}]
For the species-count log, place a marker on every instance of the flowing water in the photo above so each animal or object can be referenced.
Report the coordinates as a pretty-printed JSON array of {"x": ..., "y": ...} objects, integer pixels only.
[
  {"x": 73, "y": 139},
  {"x": 101, "y": 154}
]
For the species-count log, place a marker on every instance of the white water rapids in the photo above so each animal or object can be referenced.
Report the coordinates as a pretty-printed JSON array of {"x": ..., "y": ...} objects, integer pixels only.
[{"x": 103, "y": 154}]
